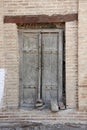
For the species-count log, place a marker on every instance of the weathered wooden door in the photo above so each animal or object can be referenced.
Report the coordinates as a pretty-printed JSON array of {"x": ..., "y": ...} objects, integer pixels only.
[
  {"x": 40, "y": 66},
  {"x": 50, "y": 67}
]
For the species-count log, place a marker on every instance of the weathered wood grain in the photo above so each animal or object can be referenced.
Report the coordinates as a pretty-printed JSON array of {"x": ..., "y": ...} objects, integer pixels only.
[{"x": 40, "y": 18}]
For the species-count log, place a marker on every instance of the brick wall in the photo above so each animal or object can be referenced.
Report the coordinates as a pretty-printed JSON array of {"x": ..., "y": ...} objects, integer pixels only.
[
  {"x": 11, "y": 65},
  {"x": 2, "y": 57},
  {"x": 1, "y": 36},
  {"x": 34, "y": 7},
  {"x": 82, "y": 54},
  {"x": 71, "y": 50},
  {"x": 12, "y": 7}
]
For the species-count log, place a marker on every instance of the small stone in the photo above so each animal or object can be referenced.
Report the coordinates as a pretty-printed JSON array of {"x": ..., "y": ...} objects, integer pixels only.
[
  {"x": 54, "y": 106},
  {"x": 61, "y": 106},
  {"x": 39, "y": 103}
]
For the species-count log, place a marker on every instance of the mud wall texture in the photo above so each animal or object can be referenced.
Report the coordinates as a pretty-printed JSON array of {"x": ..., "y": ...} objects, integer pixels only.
[
  {"x": 75, "y": 47},
  {"x": 33, "y": 7},
  {"x": 39, "y": 7}
]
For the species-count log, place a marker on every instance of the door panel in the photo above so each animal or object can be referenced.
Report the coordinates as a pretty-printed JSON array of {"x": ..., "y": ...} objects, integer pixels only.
[
  {"x": 29, "y": 68},
  {"x": 50, "y": 66}
]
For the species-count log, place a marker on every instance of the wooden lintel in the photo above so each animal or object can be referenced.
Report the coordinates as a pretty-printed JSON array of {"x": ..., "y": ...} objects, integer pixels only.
[{"x": 40, "y": 18}]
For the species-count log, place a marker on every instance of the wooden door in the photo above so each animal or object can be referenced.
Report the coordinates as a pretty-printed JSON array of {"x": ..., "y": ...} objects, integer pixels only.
[
  {"x": 50, "y": 67},
  {"x": 40, "y": 66},
  {"x": 28, "y": 68}
]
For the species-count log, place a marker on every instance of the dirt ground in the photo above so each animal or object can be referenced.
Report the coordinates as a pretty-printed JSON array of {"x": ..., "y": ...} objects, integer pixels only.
[{"x": 41, "y": 126}]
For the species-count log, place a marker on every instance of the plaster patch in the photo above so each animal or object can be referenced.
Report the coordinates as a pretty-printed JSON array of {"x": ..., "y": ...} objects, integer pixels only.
[{"x": 2, "y": 76}]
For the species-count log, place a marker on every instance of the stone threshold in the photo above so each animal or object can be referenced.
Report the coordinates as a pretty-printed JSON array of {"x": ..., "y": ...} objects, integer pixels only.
[{"x": 63, "y": 116}]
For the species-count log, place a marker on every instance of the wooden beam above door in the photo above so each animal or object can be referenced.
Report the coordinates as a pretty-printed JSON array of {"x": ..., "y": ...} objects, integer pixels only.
[{"x": 40, "y": 18}]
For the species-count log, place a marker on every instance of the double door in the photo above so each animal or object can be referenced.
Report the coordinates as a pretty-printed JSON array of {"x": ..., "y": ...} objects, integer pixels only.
[{"x": 40, "y": 67}]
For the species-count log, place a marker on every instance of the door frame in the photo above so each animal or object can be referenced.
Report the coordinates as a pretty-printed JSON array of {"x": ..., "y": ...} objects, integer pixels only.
[{"x": 60, "y": 58}]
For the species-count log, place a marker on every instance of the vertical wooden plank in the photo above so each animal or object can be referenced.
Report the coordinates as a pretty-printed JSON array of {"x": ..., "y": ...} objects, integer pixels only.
[
  {"x": 39, "y": 101},
  {"x": 29, "y": 63},
  {"x": 39, "y": 85},
  {"x": 20, "y": 34},
  {"x": 49, "y": 73},
  {"x": 60, "y": 71}
]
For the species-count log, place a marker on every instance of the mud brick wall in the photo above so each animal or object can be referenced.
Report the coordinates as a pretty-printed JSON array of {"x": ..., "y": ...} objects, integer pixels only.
[
  {"x": 11, "y": 65},
  {"x": 1, "y": 36},
  {"x": 39, "y": 7},
  {"x": 75, "y": 47},
  {"x": 2, "y": 55},
  {"x": 71, "y": 58},
  {"x": 82, "y": 54},
  {"x": 35, "y": 7}
]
